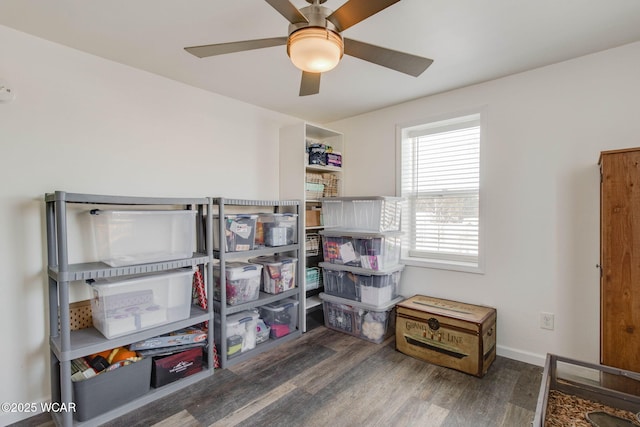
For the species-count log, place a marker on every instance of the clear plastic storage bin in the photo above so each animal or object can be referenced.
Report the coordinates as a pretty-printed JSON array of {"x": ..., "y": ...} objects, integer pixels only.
[
  {"x": 278, "y": 273},
  {"x": 369, "y": 287},
  {"x": 240, "y": 232},
  {"x": 242, "y": 330},
  {"x": 277, "y": 229},
  {"x": 243, "y": 282},
  {"x": 379, "y": 214},
  {"x": 123, "y": 306},
  {"x": 263, "y": 331},
  {"x": 368, "y": 322},
  {"x": 373, "y": 251},
  {"x": 128, "y": 237},
  {"x": 281, "y": 316}
]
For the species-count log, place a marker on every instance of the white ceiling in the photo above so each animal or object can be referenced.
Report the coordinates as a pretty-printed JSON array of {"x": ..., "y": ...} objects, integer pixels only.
[{"x": 470, "y": 41}]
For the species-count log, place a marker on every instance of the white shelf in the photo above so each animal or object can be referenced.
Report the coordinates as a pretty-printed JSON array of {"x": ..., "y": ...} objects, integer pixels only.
[
  {"x": 320, "y": 168},
  {"x": 313, "y": 302},
  {"x": 293, "y": 169},
  {"x": 90, "y": 340}
]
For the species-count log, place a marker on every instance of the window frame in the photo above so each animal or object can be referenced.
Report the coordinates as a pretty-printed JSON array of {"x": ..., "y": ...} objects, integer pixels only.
[{"x": 448, "y": 264}]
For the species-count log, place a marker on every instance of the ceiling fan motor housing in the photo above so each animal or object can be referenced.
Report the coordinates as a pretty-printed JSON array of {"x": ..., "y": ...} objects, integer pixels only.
[{"x": 317, "y": 17}]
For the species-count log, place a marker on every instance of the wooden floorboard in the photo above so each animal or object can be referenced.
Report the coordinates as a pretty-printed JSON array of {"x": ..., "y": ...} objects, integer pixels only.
[{"x": 327, "y": 378}]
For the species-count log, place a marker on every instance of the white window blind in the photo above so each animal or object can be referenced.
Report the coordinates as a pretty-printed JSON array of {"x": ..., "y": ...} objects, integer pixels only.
[{"x": 440, "y": 179}]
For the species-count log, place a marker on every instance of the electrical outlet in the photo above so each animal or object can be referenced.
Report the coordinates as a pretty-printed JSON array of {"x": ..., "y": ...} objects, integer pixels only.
[{"x": 546, "y": 320}]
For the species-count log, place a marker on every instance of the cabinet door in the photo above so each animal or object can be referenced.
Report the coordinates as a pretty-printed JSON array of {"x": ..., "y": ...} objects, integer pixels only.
[{"x": 620, "y": 259}]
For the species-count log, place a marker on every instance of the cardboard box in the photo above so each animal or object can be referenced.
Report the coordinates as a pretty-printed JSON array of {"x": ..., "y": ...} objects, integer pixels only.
[
  {"x": 447, "y": 333},
  {"x": 312, "y": 218},
  {"x": 167, "y": 369}
]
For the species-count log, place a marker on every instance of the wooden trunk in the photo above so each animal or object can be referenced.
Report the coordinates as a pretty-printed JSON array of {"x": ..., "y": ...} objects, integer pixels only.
[
  {"x": 620, "y": 259},
  {"x": 447, "y": 333}
]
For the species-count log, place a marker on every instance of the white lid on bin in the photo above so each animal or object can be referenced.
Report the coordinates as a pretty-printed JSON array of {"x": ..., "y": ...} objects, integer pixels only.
[
  {"x": 141, "y": 212},
  {"x": 280, "y": 305},
  {"x": 362, "y": 198},
  {"x": 352, "y": 303},
  {"x": 240, "y": 270},
  {"x": 242, "y": 317},
  {"x": 361, "y": 271},
  {"x": 285, "y": 214},
  {"x": 359, "y": 234},
  {"x": 273, "y": 259},
  {"x": 124, "y": 281},
  {"x": 234, "y": 216}
]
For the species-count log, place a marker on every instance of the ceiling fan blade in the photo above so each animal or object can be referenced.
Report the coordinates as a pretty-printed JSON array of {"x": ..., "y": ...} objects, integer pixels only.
[
  {"x": 310, "y": 84},
  {"x": 354, "y": 11},
  {"x": 393, "y": 59},
  {"x": 222, "y": 48},
  {"x": 288, "y": 10}
]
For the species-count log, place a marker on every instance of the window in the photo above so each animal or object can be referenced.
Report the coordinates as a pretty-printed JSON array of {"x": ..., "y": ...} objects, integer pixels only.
[{"x": 439, "y": 170}]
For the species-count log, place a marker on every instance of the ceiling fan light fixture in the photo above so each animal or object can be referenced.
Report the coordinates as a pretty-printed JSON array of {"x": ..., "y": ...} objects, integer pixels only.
[{"x": 315, "y": 50}]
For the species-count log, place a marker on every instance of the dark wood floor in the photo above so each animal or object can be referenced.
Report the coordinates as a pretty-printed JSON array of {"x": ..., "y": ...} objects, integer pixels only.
[{"x": 327, "y": 378}]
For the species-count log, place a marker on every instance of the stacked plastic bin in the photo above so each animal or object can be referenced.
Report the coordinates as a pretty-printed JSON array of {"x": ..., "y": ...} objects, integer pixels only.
[
  {"x": 361, "y": 268},
  {"x": 125, "y": 305}
]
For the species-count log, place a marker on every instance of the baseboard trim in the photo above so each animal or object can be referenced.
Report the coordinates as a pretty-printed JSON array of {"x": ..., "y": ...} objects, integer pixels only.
[{"x": 521, "y": 355}]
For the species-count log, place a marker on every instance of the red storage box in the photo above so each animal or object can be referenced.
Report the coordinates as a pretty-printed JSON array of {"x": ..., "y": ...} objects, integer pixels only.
[{"x": 167, "y": 369}]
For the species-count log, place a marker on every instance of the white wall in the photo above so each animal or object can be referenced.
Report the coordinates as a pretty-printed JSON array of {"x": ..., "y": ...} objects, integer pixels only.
[
  {"x": 83, "y": 124},
  {"x": 545, "y": 130}
]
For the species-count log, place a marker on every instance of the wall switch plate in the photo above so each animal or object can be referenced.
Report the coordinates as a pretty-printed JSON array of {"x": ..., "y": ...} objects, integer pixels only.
[
  {"x": 6, "y": 94},
  {"x": 546, "y": 320}
]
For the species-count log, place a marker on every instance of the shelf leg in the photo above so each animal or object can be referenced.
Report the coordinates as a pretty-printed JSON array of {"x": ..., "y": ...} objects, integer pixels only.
[{"x": 65, "y": 392}]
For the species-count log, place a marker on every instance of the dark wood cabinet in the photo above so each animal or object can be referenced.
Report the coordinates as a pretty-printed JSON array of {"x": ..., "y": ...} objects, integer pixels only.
[{"x": 620, "y": 259}]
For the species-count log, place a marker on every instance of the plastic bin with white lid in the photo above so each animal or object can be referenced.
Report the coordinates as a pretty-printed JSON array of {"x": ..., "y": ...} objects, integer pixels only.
[
  {"x": 359, "y": 284},
  {"x": 240, "y": 232},
  {"x": 242, "y": 282},
  {"x": 368, "y": 322},
  {"x": 277, "y": 229},
  {"x": 122, "y": 306},
  {"x": 373, "y": 251},
  {"x": 128, "y": 237},
  {"x": 372, "y": 213},
  {"x": 241, "y": 332},
  {"x": 281, "y": 316},
  {"x": 278, "y": 272}
]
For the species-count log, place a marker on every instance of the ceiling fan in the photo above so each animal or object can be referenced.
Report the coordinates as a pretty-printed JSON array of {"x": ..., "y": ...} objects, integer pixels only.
[{"x": 315, "y": 43}]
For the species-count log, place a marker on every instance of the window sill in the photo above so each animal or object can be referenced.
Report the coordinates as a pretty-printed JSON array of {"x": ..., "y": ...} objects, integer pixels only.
[{"x": 464, "y": 267}]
